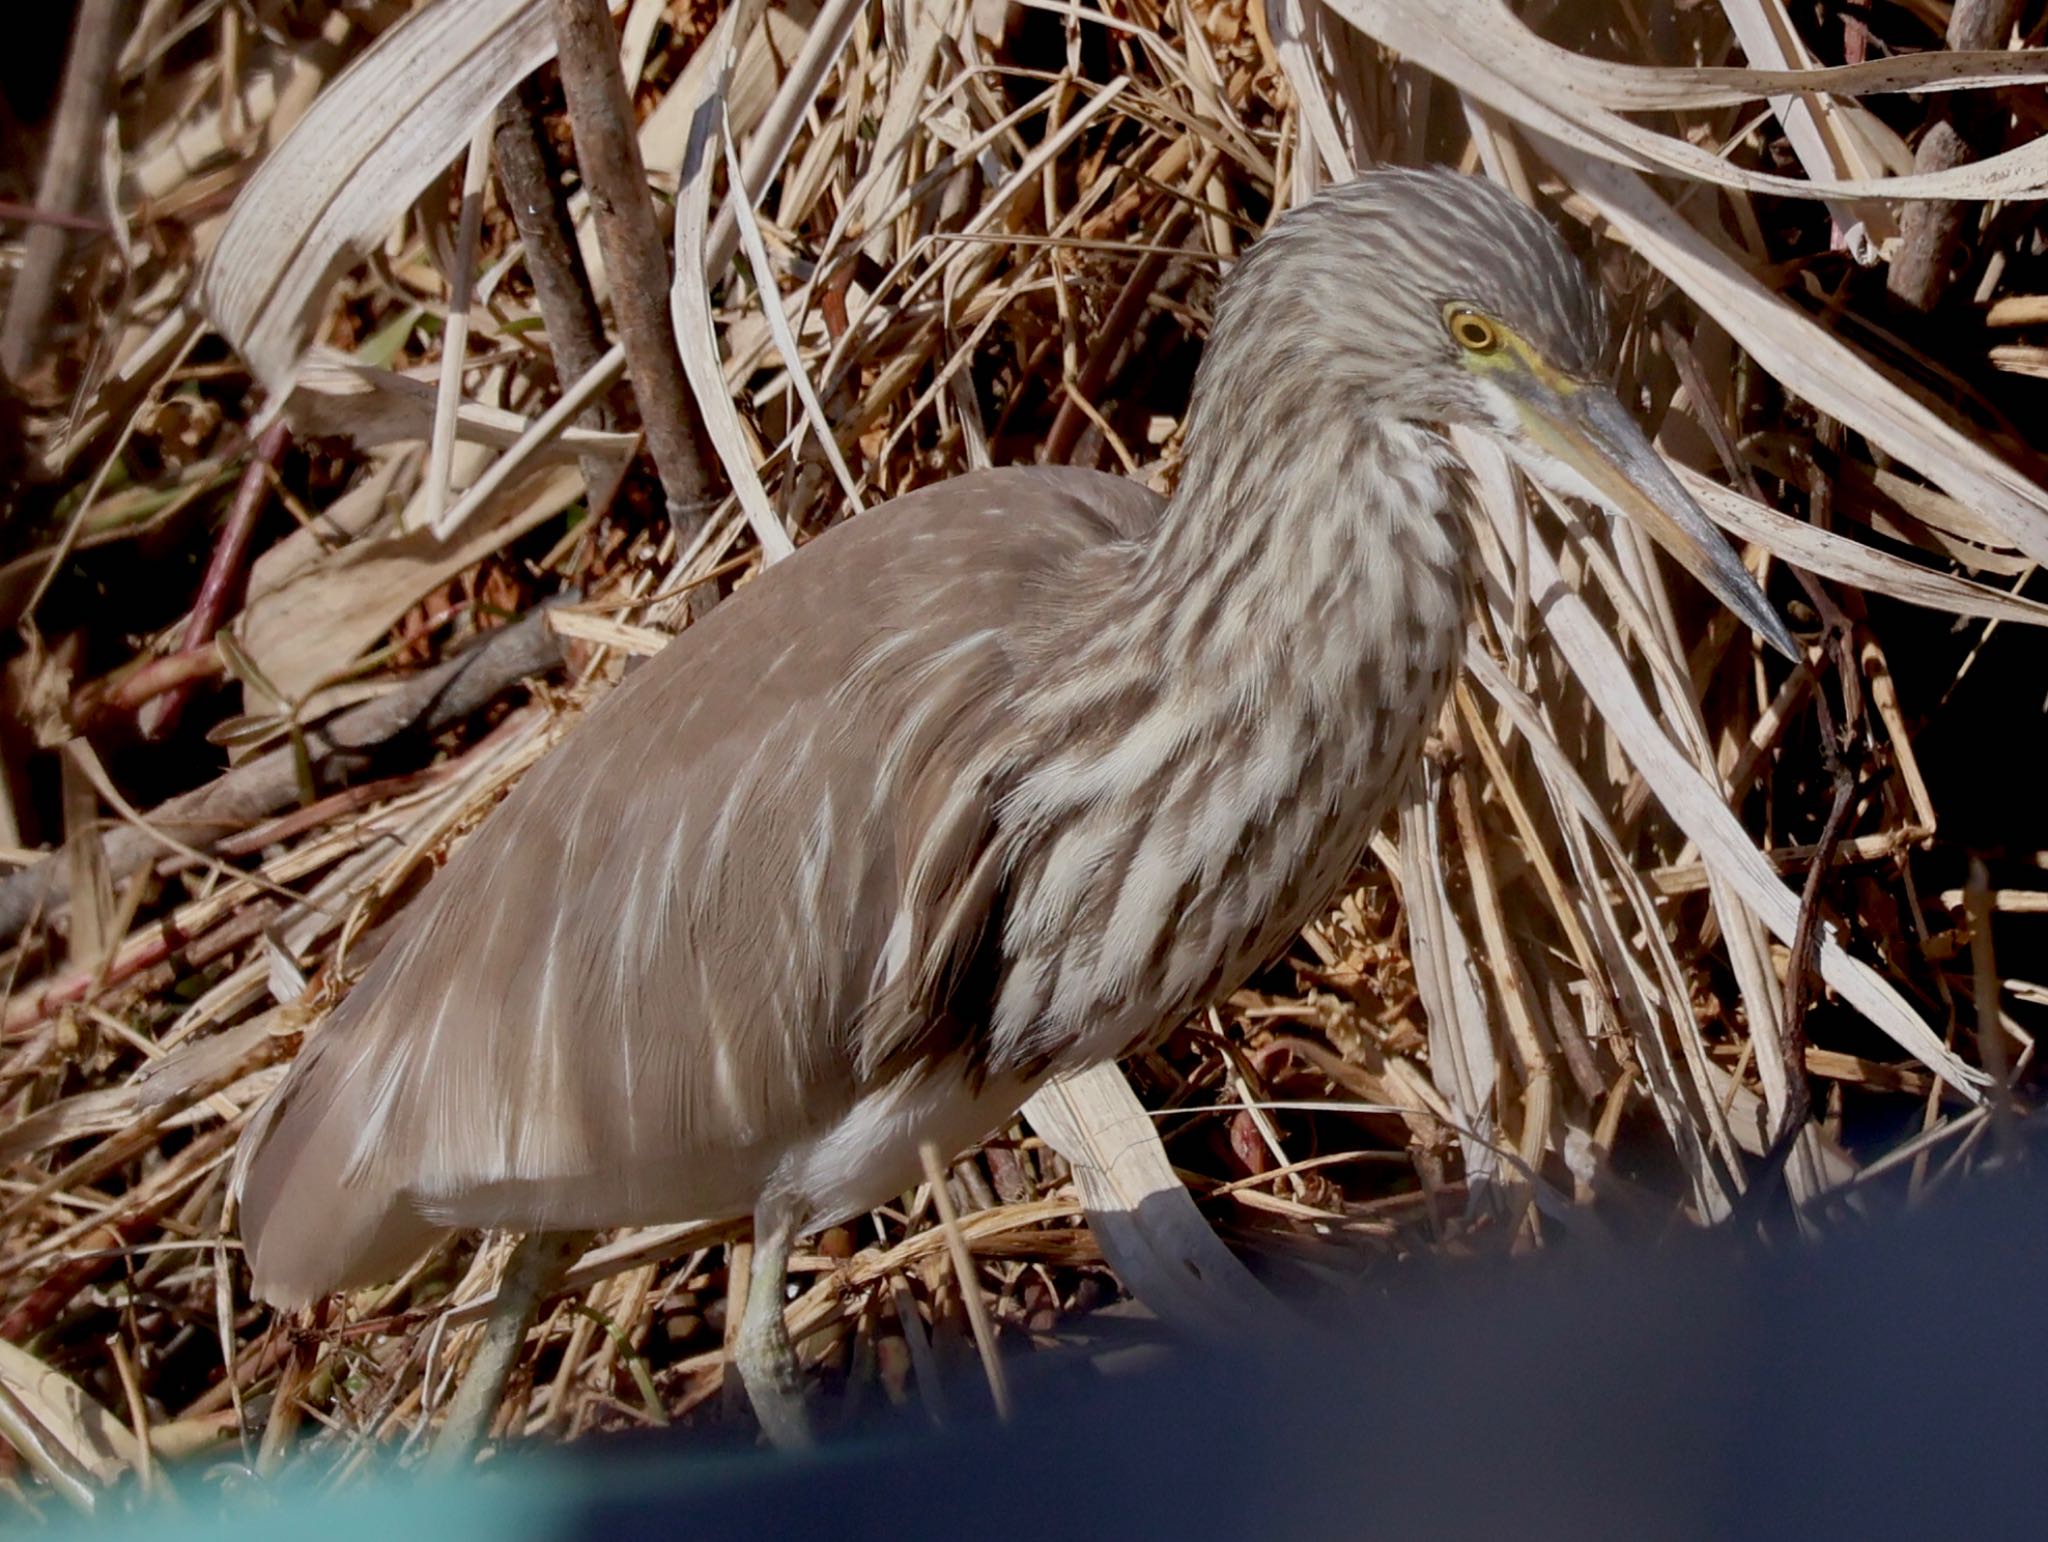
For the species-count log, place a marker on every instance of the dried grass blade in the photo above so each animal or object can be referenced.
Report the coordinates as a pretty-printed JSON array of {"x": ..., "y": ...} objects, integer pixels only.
[
  {"x": 455, "y": 335},
  {"x": 1462, "y": 1062},
  {"x": 1481, "y": 47},
  {"x": 87, "y": 1433},
  {"x": 1824, "y": 131},
  {"x": 1629, "y": 87},
  {"x": 690, "y": 297},
  {"x": 1805, "y": 357},
  {"x": 778, "y": 323},
  {"x": 1691, "y": 1123},
  {"x": 43, "y": 1451},
  {"x": 1697, "y": 808},
  {"x": 966, "y": 1278},
  {"x": 765, "y": 155},
  {"x": 307, "y": 631},
  {"x": 1140, "y": 1211},
  {"x": 1828, "y": 555},
  {"x": 336, "y": 396}
]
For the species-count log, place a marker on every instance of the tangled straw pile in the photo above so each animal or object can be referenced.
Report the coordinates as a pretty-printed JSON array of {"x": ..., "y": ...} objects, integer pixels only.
[{"x": 300, "y": 477}]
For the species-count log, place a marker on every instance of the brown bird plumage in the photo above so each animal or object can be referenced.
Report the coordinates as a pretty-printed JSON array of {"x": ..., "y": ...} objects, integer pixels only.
[{"x": 1008, "y": 775}]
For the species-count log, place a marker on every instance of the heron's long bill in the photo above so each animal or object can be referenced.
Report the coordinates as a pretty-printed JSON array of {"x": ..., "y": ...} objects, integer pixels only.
[{"x": 1591, "y": 432}]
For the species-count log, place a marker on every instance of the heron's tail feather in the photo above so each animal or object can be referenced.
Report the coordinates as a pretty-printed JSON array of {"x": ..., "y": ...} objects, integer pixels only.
[{"x": 306, "y": 1230}]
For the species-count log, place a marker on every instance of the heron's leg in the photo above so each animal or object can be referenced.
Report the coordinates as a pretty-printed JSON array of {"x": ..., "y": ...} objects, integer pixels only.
[
  {"x": 766, "y": 1358},
  {"x": 531, "y": 1274}
]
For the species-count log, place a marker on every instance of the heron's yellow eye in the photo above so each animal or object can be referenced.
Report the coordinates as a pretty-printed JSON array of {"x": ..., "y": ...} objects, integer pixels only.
[{"x": 1474, "y": 333}]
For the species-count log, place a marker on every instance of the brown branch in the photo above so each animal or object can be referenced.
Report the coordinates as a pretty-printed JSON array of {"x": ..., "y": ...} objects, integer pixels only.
[
  {"x": 1930, "y": 230},
  {"x": 532, "y": 185},
  {"x": 69, "y": 176},
  {"x": 223, "y": 574},
  {"x": 417, "y": 710},
  {"x": 608, "y": 155}
]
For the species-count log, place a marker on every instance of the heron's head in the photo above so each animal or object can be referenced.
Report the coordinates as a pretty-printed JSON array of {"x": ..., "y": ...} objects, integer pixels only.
[{"x": 1439, "y": 298}]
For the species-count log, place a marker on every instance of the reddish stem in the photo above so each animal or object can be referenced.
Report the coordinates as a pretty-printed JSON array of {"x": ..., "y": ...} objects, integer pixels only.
[
  {"x": 31, "y": 1007},
  {"x": 41, "y": 1306},
  {"x": 29, "y": 214},
  {"x": 117, "y": 697},
  {"x": 336, "y": 806},
  {"x": 224, "y": 573}
]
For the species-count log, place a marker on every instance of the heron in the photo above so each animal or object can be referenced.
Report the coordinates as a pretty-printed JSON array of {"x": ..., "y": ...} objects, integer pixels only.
[{"x": 1005, "y": 777}]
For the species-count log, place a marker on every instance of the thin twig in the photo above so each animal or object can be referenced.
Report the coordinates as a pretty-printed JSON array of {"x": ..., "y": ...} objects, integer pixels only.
[
  {"x": 1990, "y": 1028},
  {"x": 223, "y": 574},
  {"x": 970, "y": 1285},
  {"x": 1802, "y": 968},
  {"x": 115, "y": 696},
  {"x": 29, "y": 215},
  {"x": 138, "y": 1414}
]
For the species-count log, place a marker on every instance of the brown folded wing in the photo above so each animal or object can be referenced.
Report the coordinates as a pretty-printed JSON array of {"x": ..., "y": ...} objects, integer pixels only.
[{"x": 663, "y": 958}]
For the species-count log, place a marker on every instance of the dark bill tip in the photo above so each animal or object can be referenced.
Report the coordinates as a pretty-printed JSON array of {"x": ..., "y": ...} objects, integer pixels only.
[{"x": 1592, "y": 433}]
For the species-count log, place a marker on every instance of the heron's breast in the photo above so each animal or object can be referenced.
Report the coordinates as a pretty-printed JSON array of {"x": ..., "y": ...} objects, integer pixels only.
[{"x": 1140, "y": 907}]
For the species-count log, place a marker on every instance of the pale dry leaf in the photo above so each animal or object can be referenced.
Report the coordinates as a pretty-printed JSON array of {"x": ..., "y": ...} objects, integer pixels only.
[
  {"x": 1697, "y": 808},
  {"x": 1827, "y": 555},
  {"x": 1627, "y": 87},
  {"x": 311, "y": 627},
  {"x": 607, "y": 632},
  {"x": 756, "y": 78},
  {"x": 352, "y": 166},
  {"x": 1655, "y": 1008},
  {"x": 1482, "y": 47},
  {"x": 89, "y": 1434},
  {"x": 269, "y": 95},
  {"x": 335, "y": 396},
  {"x": 357, "y": 511},
  {"x": 1805, "y": 357},
  {"x": 778, "y": 324},
  {"x": 690, "y": 298},
  {"x": 767, "y": 147},
  {"x": 1832, "y": 137},
  {"x": 1149, "y": 1227},
  {"x": 1462, "y": 1062}
]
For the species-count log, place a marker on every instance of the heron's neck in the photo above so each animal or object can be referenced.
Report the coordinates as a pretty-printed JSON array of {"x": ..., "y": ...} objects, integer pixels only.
[
  {"x": 1215, "y": 739},
  {"x": 1321, "y": 541}
]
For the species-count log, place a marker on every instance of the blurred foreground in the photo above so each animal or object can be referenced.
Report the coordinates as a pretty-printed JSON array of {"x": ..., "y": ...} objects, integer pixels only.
[{"x": 1884, "y": 1383}]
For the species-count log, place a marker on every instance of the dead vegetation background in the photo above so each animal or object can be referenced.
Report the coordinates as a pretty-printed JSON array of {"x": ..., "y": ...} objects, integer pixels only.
[{"x": 308, "y": 557}]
